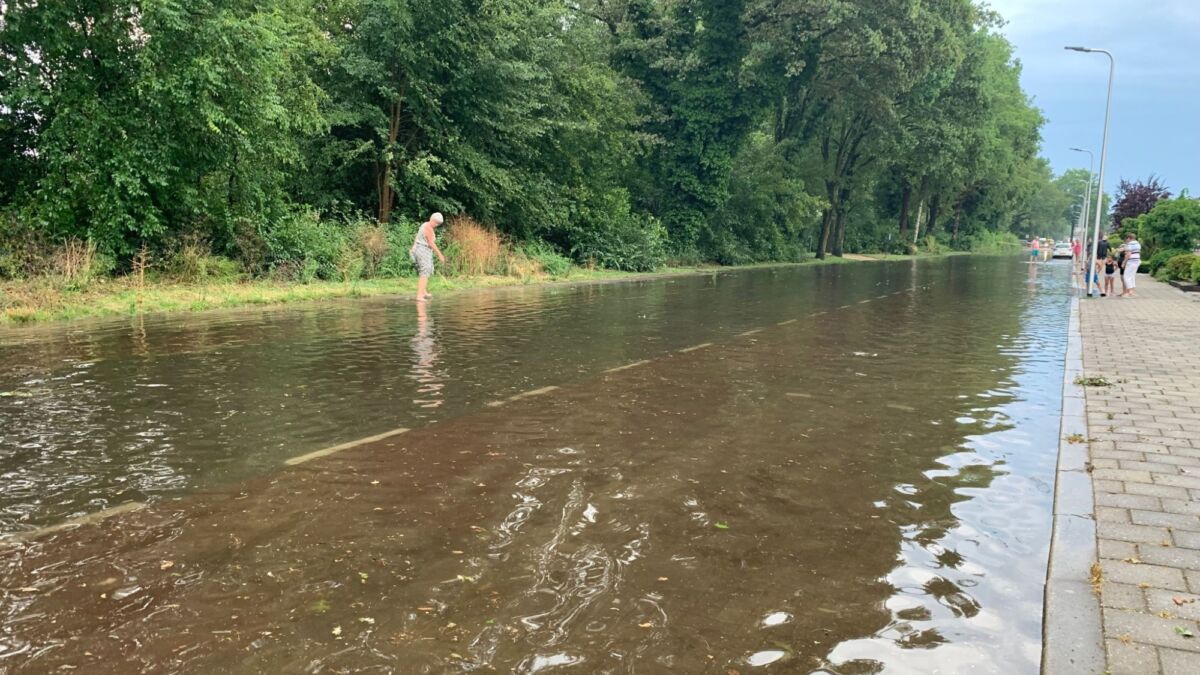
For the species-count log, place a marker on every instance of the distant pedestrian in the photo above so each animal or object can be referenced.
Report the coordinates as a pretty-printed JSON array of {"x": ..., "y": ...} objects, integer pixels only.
[
  {"x": 1133, "y": 258},
  {"x": 423, "y": 249},
  {"x": 1110, "y": 275},
  {"x": 1077, "y": 249},
  {"x": 1035, "y": 250}
]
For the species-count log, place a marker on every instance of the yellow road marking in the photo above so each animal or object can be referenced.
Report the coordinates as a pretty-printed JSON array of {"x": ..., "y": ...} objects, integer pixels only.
[{"x": 344, "y": 446}]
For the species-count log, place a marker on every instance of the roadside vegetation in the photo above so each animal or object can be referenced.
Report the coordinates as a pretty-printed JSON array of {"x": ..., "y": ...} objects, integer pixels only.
[
  {"x": 1168, "y": 229},
  {"x": 296, "y": 142}
]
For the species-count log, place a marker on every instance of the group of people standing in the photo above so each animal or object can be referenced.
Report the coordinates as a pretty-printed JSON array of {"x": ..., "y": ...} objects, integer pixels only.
[{"x": 1108, "y": 263}]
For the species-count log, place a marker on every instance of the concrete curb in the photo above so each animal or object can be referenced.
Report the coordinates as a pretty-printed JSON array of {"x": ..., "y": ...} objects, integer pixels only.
[{"x": 1072, "y": 632}]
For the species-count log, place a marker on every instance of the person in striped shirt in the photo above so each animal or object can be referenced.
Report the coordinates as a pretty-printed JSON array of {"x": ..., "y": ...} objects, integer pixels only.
[{"x": 1133, "y": 258}]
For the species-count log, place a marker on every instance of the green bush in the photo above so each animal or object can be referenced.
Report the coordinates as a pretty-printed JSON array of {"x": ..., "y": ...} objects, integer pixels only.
[
  {"x": 302, "y": 240},
  {"x": 608, "y": 234},
  {"x": 1173, "y": 224},
  {"x": 1155, "y": 262},
  {"x": 193, "y": 262},
  {"x": 987, "y": 241},
  {"x": 1195, "y": 273},
  {"x": 1178, "y": 268},
  {"x": 396, "y": 263},
  {"x": 553, "y": 263},
  {"x": 932, "y": 245}
]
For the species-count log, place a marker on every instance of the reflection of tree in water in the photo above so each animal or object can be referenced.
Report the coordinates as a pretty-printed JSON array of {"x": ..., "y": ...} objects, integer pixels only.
[{"x": 430, "y": 380}]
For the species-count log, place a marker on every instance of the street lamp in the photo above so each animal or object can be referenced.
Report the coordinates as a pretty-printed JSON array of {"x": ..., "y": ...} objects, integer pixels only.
[
  {"x": 1112, "y": 67},
  {"x": 1088, "y": 197}
]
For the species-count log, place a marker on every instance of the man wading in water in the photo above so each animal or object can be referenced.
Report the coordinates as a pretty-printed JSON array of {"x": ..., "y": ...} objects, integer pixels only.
[{"x": 421, "y": 253}]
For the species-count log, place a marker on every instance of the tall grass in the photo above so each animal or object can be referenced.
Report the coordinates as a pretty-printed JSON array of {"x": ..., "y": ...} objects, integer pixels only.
[{"x": 474, "y": 249}]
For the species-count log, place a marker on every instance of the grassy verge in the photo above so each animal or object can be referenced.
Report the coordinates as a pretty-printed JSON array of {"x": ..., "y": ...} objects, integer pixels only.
[{"x": 40, "y": 300}]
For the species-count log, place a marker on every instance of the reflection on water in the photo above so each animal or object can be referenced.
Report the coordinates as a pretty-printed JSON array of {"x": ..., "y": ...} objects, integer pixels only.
[{"x": 853, "y": 478}]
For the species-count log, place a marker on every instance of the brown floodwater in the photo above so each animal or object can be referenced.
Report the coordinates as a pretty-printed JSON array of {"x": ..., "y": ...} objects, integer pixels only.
[{"x": 843, "y": 469}]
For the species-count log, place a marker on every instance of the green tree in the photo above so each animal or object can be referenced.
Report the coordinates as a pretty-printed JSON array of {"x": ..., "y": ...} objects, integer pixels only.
[{"x": 138, "y": 121}]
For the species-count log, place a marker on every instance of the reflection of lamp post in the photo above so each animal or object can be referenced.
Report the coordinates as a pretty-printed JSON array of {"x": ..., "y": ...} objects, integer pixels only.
[
  {"x": 1088, "y": 196},
  {"x": 1112, "y": 67}
]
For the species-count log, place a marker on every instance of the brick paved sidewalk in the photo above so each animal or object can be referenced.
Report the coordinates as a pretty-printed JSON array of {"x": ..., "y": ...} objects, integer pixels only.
[{"x": 1145, "y": 454}]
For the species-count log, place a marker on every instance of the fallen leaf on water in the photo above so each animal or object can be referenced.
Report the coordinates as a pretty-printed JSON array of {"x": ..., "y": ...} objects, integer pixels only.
[
  {"x": 1184, "y": 632},
  {"x": 424, "y": 609},
  {"x": 457, "y": 552},
  {"x": 363, "y": 576},
  {"x": 662, "y": 578},
  {"x": 337, "y": 631},
  {"x": 366, "y": 620},
  {"x": 646, "y": 625},
  {"x": 721, "y": 526},
  {"x": 29, "y": 589},
  {"x": 166, "y": 565},
  {"x": 374, "y": 482},
  {"x": 451, "y": 625}
]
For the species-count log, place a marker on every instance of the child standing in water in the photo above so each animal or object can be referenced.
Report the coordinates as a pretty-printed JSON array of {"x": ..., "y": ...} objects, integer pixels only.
[{"x": 1110, "y": 275}]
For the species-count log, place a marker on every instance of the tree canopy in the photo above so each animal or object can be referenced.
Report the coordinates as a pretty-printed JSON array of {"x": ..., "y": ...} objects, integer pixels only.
[{"x": 744, "y": 129}]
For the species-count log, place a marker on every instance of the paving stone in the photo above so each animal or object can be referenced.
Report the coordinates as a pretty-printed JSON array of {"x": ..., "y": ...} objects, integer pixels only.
[
  {"x": 1176, "y": 481},
  {"x": 1134, "y": 533},
  {"x": 1130, "y": 476},
  {"x": 1131, "y": 501},
  {"x": 1193, "y": 579},
  {"x": 1154, "y": 467},
  {"x": 1150, "y": 629},
  {"x": 1187, "y": 539},
  {"x": 1169, "y": 556},
  {"x": 1189, "y": 507},
  {"x": 1110, "y": 514},
  {"x": 1175, "y": 662},
  {"x": 1097, "y": 453},
  {"x": 1130, "y": 659},
  {"x": 1150, "y": 426},
  {"x": 1168, "y": 491},
  {"x": 1121, "y": 596},
  {"x": 1187, "y": 607},
  {"x": 1156, "y": 576},
  {"x": 1160, "y": 519}
]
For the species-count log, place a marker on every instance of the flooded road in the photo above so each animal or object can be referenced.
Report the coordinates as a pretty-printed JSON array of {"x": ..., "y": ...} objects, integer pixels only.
[{"x": 842, "y": 469}]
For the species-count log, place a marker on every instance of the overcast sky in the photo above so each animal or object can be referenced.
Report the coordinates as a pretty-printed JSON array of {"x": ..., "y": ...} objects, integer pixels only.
[{"x": 1155, "y": 124}]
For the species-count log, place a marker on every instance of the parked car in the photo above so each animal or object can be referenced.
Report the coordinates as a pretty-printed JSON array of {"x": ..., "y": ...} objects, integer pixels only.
[{"x": 1063, "y": 250}]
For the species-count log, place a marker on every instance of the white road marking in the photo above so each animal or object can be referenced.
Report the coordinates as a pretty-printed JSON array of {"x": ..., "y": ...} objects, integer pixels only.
[
  {"x": 79, "y": 521},
  {"x": 750, "y": 332},
  {"x": 694, "y": 348},
  {"x": 784, "y": 323},
  {"x": 627, "y": 366},
  {"x": 344, "y": 446}
]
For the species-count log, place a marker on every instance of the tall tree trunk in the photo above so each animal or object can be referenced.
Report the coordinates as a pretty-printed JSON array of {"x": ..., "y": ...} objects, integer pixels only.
[
  {"x": 823, "y": 237},
  {"x": 387, "y": 194},
  {"x": 839, "y": 228},
  {"x": 905, "y": 199},
  {"x": 935, "y": 205}
]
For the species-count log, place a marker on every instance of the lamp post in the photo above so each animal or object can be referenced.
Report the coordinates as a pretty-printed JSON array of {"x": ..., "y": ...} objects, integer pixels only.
[
  {"x": 1088, "y": 195},
  {"x": 1112, "y": 67}
]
